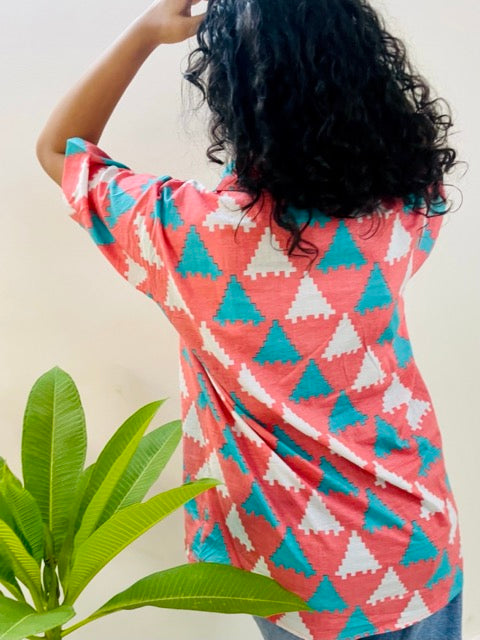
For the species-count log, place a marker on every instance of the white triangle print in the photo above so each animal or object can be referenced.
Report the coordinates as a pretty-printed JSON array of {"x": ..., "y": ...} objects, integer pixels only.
[
  {"x": 181, "y": 382},
  {"x": 228, "y": 214},
  {"x": 390, "y": 587},
  {"x": 408, "y": 274},
  {"x": 83, "y": 185},
  {"x": 237, "y": 529},
  {"x": 299, "y": 423},
  {"x": 400, "y": 242},
  {"x": 197, "y": 184},
  {"x": 192, "y": 427},
  {"x": 370, "y": 373},
  {"x": 102, "y": 175},
  {"x": 278, "y": 471},
  {"x": 147, "y": 250},
  {"x": 309, "y": 301},
  {"x": 384, "y": 475},
  {"x": 318, "y": 517},
  {"x": 211, "y": 469},
  {"x": 269, "y": 258},
  {"x": 210, "y": 345},
  {"x": 453, "y": 517},
  {"x": 136, "y": 274},
  {"x": 251, "y": 385},
  {"x": 415, "y": 412},
  {"x": 292, "y": 622},
  {"x": 242, "y": 428},
  {"x": 344, "y": 340},
  {"x": 395, "y": 395},
  {"x": 174, "y": 298},
  {"x": 430, "y": 502},
  {"x": 342, "y": 450},
  {"x": 357, "y": 559},
  {"x": 261, "y": 567},
  {"x": 415, "y": 611}
]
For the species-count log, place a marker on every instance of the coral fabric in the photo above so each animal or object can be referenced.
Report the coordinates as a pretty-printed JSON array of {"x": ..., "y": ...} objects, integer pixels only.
[{"x": 299, "y": 391}]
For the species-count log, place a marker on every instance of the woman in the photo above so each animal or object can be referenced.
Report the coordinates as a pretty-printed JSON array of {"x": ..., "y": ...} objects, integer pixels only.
[{"x": 299, "y": 386}]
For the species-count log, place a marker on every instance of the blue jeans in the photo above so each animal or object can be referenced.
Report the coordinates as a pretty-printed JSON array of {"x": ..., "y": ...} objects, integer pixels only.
[{"x": 445, "y": 624}]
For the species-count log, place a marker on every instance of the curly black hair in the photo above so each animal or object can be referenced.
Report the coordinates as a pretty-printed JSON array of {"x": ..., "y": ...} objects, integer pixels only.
[{"x": 314, "y": 102}]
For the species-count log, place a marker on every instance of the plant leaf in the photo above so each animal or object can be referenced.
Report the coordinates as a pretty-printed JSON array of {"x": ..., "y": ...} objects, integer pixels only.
[
  {"x": 65, "y": 555},
  {"x": 116, "y": 461},
  {"x": 110, "y": 452},
  {"x": 206, "y": 586},
  {"x": 24, "y": 566},
  {"x": 19, "y": 620},
  {"x": 124, "y": 527},
  {"x": 7, "y": 575},
  {"x": 53, "y": 447},
  {"x": 25, "y": 512},
  {"x": 153, "y": 452}
]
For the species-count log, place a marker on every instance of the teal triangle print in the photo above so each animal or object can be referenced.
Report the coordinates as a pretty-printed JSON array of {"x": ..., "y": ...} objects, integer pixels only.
[
  {"x": 204, "y": 399},
  {"x": 213, "y": 548},
  {"x": 326, "y": 598},
  {"x": 333, "y": 480},
  {"x": 344, "y": 414},
  {"x": 230, "y": 450},
  {"x": 191, "y": 508},
  {"x": 196, "y": 259},
  {"x": 392, "y": 328},
  {"x": 419, "y": 548},
  {"x": 242, "y": 410},
  {"x": 457, "y": 583},
  {"x": 443, "y": 571},
  {"x": 288, "y": 447},
  {"x": 378, "y": 515},
  {"x": 257, "y": 503},
  {"x": 312, "y": 384},
  {"x": 277, "y": 347},
  {"x": 358, "y": 625},
  {"x": 120, "y": 203},
  {"x": 99, "y": 231},
  {"x": 401, "y": 346},
  {"x": 426, "y": 242},
  {"x": 387, "y": 438},
  {"x": 343, "y": 252},
  {"x": 196, "y": 541},
  {"x": 166, "y": 211},
  {"x": 412, "y": 202},
  {"x": 236, "y": 306},
  {"x": 376, "y": 294},
  {"x": 301, "y": 216},
  {"x": 290, "y": 556},
  {"x": 428, "y": 453},
  {"x": 403, "y": 351}
]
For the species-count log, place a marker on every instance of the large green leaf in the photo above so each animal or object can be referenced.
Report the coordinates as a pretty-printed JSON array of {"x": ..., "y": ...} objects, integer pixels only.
[
  {"x": 23, "y": 564},
  {"x": 54, "y": 444},
  {"x": 7, "y": 575},
  {"x": 124, "y": 527},
  {"x": 65, "y": 555},
  {"x": 25, "y": 512},
  {"x": 206, "y": 586},
  {"x": 152, "y": 454},
  {"x": 117, "y": 461},
  {"x": 19, "y": 620}
]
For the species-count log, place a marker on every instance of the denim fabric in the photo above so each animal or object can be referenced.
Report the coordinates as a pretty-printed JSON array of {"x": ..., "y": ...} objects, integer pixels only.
[{"x": 445, "y": 624}]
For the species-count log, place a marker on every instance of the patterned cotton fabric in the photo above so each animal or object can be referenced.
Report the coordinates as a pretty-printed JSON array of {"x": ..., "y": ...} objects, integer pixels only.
[{"x": 299, "y": 391}]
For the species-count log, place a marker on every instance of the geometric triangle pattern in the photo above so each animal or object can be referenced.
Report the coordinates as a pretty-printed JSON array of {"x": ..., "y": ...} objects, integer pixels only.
[{"x": 298, "y": 388}]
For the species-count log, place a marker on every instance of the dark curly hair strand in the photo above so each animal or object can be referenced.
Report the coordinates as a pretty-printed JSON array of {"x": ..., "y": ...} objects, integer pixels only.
[{"x": 318, "y": 105}]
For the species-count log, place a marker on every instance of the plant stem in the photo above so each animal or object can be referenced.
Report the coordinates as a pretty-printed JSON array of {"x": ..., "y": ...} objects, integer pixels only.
[{"x": 65, "y": 632}]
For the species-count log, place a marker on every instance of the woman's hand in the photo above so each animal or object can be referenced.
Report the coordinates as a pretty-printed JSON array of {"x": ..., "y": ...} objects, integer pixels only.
[{"x": 170, "y": 21}]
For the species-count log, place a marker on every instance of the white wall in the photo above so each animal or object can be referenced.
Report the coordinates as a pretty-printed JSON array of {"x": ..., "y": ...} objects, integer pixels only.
[{"x": 63, "y": 304}]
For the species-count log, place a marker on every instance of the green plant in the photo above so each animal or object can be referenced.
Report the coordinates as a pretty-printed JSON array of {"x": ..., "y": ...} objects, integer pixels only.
[{"x": 65, "y": 522}]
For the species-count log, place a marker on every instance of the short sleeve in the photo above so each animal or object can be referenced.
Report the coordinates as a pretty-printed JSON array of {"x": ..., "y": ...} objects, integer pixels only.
[
  {"x": 123, "y": 211},
  {"x": 427, "y": 229}
]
